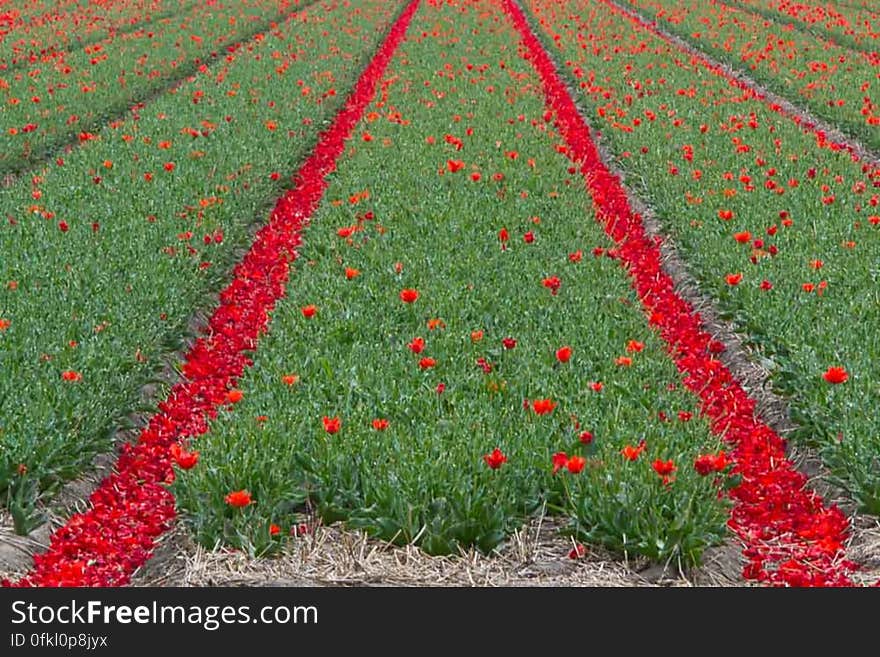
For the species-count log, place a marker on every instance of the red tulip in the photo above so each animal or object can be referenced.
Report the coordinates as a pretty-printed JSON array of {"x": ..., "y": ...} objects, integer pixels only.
[
  {"x": 552, "y": 283},
  {"x": 576, "y": 464},
  {"x": 663, "y": 468},
  {"x": 185, "y": 460},
  {"x": 238, "y": 499},
  {"x": 408, "y": 295},
  {"x": 495, "y": 459},
  {"x": 559, "y": 459},
  {"x": 577, "y": 552},
  {"x": 835, "y": 375},
  {"x": 632, "y": 453}
]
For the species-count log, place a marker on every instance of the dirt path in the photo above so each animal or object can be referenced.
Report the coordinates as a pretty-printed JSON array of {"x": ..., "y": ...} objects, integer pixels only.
[{"x": 537, "y": 555}]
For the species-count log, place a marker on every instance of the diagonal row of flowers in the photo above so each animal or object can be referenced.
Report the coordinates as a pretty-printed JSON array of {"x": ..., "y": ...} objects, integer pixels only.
[
  {"x": 132, "y": 507},
  {"x": 790, "y": 536},
  {"x": 823, "y": 140}
]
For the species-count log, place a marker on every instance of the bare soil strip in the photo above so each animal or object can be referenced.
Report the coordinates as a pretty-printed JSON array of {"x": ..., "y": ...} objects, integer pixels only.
[{"x": 537, "y": 555}]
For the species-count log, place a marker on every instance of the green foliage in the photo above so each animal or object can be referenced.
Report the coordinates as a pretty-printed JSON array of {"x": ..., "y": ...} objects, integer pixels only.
[{"x": 108, "y": 301}]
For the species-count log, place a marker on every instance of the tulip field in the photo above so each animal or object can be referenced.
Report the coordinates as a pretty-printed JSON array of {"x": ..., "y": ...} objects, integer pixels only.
[{"x": 432, "y": 269}]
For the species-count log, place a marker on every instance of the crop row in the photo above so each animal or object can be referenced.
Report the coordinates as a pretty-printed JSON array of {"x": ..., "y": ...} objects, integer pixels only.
[
  {"x": 42, "y": 31},
  {"x": 47, "y": 106},
  {"x": 105, "y": 255},
  {"x": 132, "y": 507},
  {"x": 835, "y": 83},
  {"x": 776, "y": 226},
  {"x": 856, "y": 26}
]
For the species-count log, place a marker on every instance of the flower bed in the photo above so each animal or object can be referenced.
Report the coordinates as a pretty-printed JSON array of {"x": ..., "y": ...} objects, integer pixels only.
[
  {"x": 49, "y": 105},
  {"x": 834, "y": 82},
  {"x": 107, "y": 254},
  {"x": 782, "y": 244},
  {"x": 460, "y": 348}
]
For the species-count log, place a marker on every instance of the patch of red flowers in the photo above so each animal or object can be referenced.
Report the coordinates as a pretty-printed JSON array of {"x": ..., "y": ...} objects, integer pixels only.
[
  {"x": 132, "y": 507},
  {"x": 791, "y": 537},
  {"x": 822, "y": 139}
]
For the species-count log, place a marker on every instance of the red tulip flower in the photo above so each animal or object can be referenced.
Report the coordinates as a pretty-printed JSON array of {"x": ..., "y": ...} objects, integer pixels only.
[
  {"x": 543, "y": 406},
  {"x": 184, "y": 460},
  {"x": 631, "y": 453},
  {"x": 495, "y": 459},
  {"x": 239, "y": 499},
  {"x": 835, "y": 375},
  {"x": 563, "y": 354},
  {"x": 663, "y": 468},
  {"x": 560, "y": 460},
  {"x": 576, "y": 464},
  {"x": 332, "y": 424},
  {"x": 408, "y": 295},
  {"x": 553, "y": 284}
]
